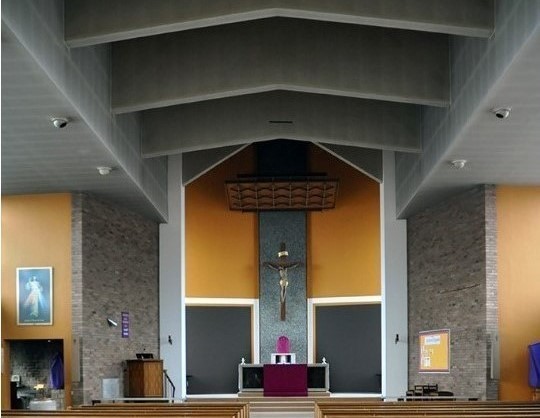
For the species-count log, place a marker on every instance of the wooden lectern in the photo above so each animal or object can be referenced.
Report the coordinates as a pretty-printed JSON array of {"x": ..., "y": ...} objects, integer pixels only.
[{"x": 144, "y": 378}]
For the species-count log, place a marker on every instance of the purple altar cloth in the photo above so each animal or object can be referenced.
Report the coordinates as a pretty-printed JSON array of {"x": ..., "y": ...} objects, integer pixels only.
[{"x": 285, "y": 379}]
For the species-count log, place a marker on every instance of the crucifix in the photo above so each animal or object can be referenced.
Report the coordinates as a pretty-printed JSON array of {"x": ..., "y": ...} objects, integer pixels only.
[{"x": 282, "y": 266}]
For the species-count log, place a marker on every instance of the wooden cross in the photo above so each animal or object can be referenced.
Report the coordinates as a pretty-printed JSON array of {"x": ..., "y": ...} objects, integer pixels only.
[{"x": 282, "y": 266}]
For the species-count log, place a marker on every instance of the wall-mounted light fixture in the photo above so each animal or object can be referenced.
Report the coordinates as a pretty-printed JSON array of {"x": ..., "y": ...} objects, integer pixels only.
[{"x": 112, "y": 323}]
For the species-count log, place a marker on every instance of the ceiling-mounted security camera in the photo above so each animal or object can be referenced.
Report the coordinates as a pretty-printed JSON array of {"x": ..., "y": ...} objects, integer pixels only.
[
  {"x": 458, "y": 164},
  {"x": 501, "y": 112},
  {"x": 59, "y": 122},
  {"x": 104, "y": 170}
]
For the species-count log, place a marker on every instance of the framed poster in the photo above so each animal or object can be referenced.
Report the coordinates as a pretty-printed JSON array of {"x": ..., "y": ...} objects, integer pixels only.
[
  {"x": 34, "y": 296},
  {"x": 435, "y": 351}
]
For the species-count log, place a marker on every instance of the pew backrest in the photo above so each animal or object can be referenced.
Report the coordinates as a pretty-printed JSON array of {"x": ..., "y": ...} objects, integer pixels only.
[
  {"x": 159, "y": 410},
  {"x": 490, "y": 409}
]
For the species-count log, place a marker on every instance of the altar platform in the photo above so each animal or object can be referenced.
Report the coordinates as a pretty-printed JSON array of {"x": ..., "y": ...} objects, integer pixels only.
[{"x": 261, "y": 406}]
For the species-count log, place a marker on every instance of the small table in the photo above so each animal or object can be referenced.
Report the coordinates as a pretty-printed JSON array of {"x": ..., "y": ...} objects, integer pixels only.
[{"x": 285, "y": 380}]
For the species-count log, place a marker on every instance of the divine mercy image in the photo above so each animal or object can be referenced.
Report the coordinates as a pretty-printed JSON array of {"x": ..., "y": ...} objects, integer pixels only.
[{"x": 34, "y": 296}]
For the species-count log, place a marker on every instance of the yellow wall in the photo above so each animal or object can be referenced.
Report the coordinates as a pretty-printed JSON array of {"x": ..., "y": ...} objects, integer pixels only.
[
  {"x": 221, "y": 245},
  {"x": 518, "y": 222},
  {"x": 344, "y": 243},
  {"x": 36, "y": 232}
]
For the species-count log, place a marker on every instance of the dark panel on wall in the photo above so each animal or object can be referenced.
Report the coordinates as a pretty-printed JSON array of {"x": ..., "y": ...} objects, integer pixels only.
[
  {"x": 282, "y": 157},
  {"x": 349, "y": 337},
  {"x": 216, "y": 340}
]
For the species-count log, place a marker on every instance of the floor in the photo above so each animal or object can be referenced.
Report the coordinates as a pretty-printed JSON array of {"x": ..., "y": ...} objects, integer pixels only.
[
  {"x": 293, "y": 408},
  {"x": 286, "y": 407}
]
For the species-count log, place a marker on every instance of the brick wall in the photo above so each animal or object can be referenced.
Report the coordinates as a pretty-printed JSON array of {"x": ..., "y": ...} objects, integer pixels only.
[
  {"x": 492, "y": 303},
  {"x": 115, "y": 270},
  {"x": 77, "y": 388},
  {"x": 452, "y": 276}
]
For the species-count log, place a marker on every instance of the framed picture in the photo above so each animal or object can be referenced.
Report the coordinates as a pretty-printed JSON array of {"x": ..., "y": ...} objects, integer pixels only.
[{"x": 34, "y": 296}]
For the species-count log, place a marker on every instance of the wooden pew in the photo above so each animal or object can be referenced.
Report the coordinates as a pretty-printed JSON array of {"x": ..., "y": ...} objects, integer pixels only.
[
  {"x": 239, "y": 408},
  {"x": 159, "y": 410},
  {"x": 328, "y": 410},
  {"x": 488, "y": 409},
  {"x": 117, "y": 414}
]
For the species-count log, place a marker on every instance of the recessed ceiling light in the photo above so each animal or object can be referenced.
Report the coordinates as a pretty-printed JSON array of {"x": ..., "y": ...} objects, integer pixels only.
[{"x": 458, "y": 164}]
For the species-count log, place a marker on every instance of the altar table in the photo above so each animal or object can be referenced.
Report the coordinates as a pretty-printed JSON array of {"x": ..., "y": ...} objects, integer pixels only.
[
  {"x": 285, "y": 380},
  {"x": 251, "y": 378}
]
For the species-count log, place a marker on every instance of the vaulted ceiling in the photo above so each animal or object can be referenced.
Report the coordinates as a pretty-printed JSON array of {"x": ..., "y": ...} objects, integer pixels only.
[{"x": 141, "y": 80}]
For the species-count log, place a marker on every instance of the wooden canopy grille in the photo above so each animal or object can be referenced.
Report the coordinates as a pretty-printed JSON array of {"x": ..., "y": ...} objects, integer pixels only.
[{"x": 307, "y": 193}]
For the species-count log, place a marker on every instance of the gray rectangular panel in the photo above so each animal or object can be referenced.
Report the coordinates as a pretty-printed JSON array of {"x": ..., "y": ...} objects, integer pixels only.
[
  {"x": 349, "y": 337},
  {"x": 217, "y": 338}
]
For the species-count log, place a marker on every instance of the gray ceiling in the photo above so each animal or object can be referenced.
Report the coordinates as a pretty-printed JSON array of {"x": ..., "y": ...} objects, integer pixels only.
[{"x": 141, "y": 80}]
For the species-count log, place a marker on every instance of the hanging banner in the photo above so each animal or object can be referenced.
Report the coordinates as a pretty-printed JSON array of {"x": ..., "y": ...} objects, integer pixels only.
[
  {"x": 125, "y": 325},
  {"x": 435, "y": 351}
]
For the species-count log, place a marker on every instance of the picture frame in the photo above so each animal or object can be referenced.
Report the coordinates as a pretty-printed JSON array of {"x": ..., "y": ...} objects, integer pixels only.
[{"x": 34, "y": 295}]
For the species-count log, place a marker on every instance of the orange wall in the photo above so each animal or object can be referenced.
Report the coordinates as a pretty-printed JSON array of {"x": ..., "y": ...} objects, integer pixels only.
[
  {"x": 221, "y": 245},
  {"x": 518, "y": 222},
  {"x": 344, "y": 243},
  {"x": 36, "y": 232}
]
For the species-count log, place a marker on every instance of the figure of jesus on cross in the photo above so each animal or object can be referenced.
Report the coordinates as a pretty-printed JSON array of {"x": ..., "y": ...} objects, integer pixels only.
[{"x": 282, "y": 266}]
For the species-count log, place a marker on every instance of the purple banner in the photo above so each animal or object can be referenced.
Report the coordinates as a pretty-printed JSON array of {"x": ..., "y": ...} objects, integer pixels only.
[{"x": 125, "y": 324}]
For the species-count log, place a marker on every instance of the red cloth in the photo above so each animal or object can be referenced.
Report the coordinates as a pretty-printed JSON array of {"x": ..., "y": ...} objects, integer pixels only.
[{"x": 285, "y": 379}]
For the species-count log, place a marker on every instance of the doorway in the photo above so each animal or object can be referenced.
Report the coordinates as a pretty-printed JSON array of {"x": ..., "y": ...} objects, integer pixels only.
[{"x": 37, "y": 373}]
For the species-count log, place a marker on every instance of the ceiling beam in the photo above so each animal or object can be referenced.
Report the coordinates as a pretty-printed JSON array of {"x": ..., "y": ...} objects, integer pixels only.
[
  {"x": 90, "y": 22},
  {"x": 365, "y": 160},
  {"x": 197, "y": 163},
  {"x": 280, "y": 54},
  {"x": 288, "y": 115}
]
